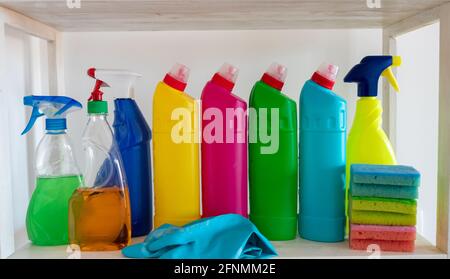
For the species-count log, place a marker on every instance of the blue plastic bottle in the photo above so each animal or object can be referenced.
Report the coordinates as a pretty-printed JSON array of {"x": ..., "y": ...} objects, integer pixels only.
[
  {"x": 322, "y": 158},
  {"x": 133, "y": 136}
]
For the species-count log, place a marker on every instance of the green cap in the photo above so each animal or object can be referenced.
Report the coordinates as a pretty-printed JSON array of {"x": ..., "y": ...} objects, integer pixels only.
[{"x": 97, "y": 107}]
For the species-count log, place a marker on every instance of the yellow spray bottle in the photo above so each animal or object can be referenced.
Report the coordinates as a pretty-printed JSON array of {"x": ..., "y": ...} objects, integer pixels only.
[
  {"x": 367, "y": 142},
  {"x": 175, "y": 151}
]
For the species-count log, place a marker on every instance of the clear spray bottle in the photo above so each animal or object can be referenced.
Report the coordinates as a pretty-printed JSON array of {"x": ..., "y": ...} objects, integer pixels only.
[
  {"x": 99, "y": 213},
  {"x": 57, "y": 173}
]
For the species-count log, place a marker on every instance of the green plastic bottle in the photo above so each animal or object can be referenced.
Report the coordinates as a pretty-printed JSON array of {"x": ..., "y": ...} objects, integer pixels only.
[
  {"x": 273, "y": 163},
  {"x": 57, "y": 174}
]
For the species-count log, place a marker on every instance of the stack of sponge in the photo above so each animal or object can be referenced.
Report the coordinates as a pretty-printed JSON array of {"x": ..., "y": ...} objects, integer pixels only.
[{"x": 383, "y": 207}]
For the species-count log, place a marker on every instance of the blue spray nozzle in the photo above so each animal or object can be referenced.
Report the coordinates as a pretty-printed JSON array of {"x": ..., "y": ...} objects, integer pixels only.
[
  {"x": 368, "y": 72},
  {"x": 55, "y": 108}
]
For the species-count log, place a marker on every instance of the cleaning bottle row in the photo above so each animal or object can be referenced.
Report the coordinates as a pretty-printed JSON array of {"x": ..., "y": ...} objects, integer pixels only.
[{"x": 239, "y": 154}]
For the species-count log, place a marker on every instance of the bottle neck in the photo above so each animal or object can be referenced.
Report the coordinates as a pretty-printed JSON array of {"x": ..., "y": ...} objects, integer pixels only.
[
  {"x": 272, "y": 82},
  {"x": 174, "y": 83},
  {"x": 222, "y": 82},
  {"x": 55, "y": 124},
  {"x": 368, "y": 112},
  {"x": 322, "y": 81},
  {"x": 98, "y": 116},
  {"x": 55, "y": 132}
]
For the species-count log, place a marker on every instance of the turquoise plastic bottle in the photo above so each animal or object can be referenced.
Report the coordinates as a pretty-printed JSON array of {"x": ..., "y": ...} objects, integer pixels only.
[{"x": 322, "y": 158}]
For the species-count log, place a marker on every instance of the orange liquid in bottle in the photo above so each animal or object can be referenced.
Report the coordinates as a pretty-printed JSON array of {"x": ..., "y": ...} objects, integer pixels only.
[{"x": 100, "y": 218}]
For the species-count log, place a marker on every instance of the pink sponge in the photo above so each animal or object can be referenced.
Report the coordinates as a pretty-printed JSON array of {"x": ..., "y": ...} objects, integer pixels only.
[
  {"x": 388, "y": 238},
  {"x": 397, "y": 233},
  {"x": 385, "y": 245}
]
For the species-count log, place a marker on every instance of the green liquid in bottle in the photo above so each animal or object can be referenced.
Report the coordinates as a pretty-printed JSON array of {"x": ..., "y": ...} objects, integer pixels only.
[{"x": 48, "y": 211}]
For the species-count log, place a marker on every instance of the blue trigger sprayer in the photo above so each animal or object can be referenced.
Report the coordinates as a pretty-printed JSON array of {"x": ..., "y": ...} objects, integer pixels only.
[
  {"x": 55, "y": 108},
  {"x": 133, "y": 136}
]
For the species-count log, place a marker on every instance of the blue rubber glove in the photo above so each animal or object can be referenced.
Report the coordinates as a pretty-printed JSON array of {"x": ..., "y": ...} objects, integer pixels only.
[{"x": 228, "y": 236}]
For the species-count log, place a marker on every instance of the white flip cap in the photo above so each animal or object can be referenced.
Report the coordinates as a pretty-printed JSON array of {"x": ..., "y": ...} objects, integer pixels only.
[
  {"x": 228, "y": 72},
  {"x": 277, "y": 71}
]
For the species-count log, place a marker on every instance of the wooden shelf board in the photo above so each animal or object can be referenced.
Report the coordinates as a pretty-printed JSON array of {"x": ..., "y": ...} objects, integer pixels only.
[
  {"x": 295, "y": 249},
  {"x": 140, "y": 15}
]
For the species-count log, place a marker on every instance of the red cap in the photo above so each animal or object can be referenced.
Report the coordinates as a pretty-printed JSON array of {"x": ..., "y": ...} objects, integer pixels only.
[
  {"x": 325, "y": 76},
  {"x": 322, "y": 81},
  {"x": 177, "y": 77},
  {"x": 174, "y": 83},
  {"x": 226, "y": 76},
  {"x": 222, "y": 82},
  {"x": 275, "y": 76}
]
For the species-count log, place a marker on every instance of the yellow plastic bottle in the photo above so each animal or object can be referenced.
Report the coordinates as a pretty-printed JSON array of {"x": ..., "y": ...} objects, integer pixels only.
[
  {"x": 367, "y": 142},
  {"x": 175, "y": 151}
]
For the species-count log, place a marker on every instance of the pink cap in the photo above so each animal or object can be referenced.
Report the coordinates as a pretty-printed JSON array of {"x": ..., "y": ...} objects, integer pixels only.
[
  {"x": 177, "y": 77},
  {"x": 326, "y": 75},
  {"x": 275, "y": 76},
  {"x": 226, "y": 76}
]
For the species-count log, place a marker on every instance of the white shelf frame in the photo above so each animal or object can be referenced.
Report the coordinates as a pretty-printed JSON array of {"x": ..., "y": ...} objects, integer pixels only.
[
  {"x": 441, "y": 14},
  {"x": 12, "y": 19}
]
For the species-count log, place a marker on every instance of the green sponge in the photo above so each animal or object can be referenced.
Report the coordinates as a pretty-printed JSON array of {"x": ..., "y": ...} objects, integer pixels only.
[
  {"x": 382, "y": 218},
  {"x": 384, "y": 205}
]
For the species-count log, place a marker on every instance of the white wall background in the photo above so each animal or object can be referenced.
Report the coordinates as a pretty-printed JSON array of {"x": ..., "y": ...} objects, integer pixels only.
[
  {"x": 417, "y": 117},
  {"x": 153, "y": 53}
]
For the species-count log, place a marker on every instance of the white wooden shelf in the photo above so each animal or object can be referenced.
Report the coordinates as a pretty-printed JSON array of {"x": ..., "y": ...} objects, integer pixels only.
[
  {"x": 132, "y": 15},
  {"x": 295, "y": 249},
  {"x": 49, "y": 19}
]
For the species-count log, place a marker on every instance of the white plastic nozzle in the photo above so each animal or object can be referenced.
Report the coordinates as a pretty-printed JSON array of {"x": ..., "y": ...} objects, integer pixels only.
[
  {"x": 328, "y": 71},
  {"x": 228, "y": 72},
  {"x": 180, "y": 72},
  {"x": 278, "y": 72},
  {"x": 121, "y": 82}
]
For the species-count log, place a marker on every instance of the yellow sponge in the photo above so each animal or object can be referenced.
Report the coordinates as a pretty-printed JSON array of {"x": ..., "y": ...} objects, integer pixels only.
[
  {"x": 382, "y": 218},
  {"x": 384, "y": 205}
]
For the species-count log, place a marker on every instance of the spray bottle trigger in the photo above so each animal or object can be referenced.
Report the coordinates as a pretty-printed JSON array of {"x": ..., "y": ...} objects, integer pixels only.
[
  {"x": 35, "y": 114},
  {"x": 67, "y": 106},
  {"x": 389, "y": 75}
]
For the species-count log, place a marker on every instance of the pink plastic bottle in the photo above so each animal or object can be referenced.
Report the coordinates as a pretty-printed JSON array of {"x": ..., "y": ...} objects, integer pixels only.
[{"x": 224, "y": 146}]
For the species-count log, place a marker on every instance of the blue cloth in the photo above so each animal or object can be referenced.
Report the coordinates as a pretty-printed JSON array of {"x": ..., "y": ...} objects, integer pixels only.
[{"x": 228, "y": 236}]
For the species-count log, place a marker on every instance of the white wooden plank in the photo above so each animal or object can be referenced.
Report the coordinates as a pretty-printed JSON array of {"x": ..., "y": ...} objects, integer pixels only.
[
  {"x": 443, "y": 223},
  {"x": 441, "y": 14},
  {"x": 6, "y": 198},
  {"x": 59, "y": 61},
  {"x": 414, "y": 22},
  {"x": 389, "y": 95},
  {"x": 294, "y": 249},
  {"x": 52, "y": 68},
  {"x": 27, "y": 25},
  {"x": 121, "y": 15}
]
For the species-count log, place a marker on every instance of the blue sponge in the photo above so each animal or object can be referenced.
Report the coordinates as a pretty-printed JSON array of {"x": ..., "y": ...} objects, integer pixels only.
[
  {"x": 385, "y": 175},
  {"x": 384, "y": 191}
]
